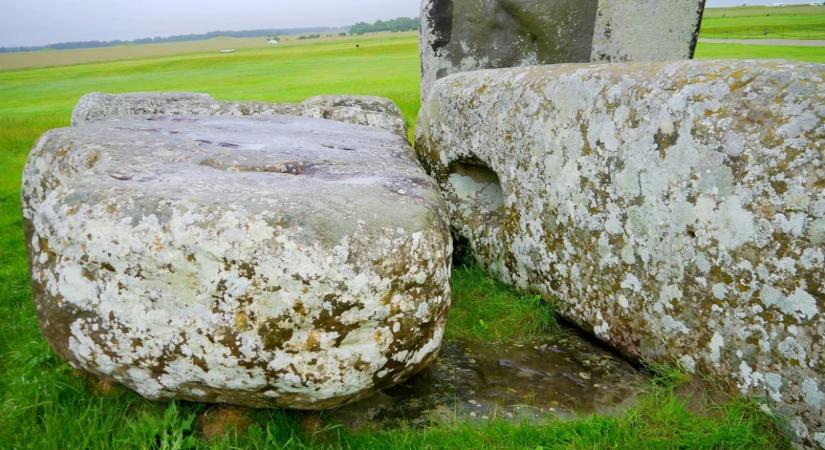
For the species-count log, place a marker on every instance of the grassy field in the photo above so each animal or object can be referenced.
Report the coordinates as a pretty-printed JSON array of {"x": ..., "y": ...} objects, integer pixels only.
[
  {"x": 737, "y": 51},
  {"x": 46, "y": 405},
  {"x": 56, "y": 58},
  {"x": 786, "y": 22}
]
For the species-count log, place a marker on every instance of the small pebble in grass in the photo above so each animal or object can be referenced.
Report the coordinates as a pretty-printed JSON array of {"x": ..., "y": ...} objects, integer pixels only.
[
  {"x": 220, "y": 421},
  {"x": 105, "y": 388},
  {"x": 311, "y": 424}
]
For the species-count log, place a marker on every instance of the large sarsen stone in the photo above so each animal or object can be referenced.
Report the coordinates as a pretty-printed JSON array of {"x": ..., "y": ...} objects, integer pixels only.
[
  {"x": 285, "y": 261},
  {"x": 377, "y": 112},
  {"x": 676, "y": 209},
  {"x": 463, "y": 35}
]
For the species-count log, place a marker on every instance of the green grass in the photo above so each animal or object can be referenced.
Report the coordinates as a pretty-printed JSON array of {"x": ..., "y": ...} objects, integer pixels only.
[
  {"x": 737, "y": 51},
  {"x": 789, "y": 22},
  {"x": 488, "y": 311},
  {"x": 59, "y": 412},
  {"x": 45, "y": 405}
]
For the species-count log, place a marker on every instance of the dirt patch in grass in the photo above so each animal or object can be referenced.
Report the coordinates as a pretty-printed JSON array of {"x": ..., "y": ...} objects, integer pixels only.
[{"x": 220, "y": 421}]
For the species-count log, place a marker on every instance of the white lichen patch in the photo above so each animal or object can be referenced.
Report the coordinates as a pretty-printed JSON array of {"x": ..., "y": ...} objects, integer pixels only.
[
  {"x": 674, "y": 208},
  {"x": 287, "y": 262}
]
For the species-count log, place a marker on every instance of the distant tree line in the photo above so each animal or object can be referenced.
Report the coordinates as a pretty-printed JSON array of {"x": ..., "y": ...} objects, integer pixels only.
[
  {"x": 159, "y": 40},
  {"x": 399, "y": 24}
]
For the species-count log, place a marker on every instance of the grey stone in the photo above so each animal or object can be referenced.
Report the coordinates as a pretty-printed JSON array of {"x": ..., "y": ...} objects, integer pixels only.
[
  {"x": 363, "y": 110},
  {"x": 284, "y": 261},
  {"x": 462, "y": 35},
  {"x": 560, "y": 376},
  {"x": 360, "y": 110},
  {"x": 675, "y": 209}
]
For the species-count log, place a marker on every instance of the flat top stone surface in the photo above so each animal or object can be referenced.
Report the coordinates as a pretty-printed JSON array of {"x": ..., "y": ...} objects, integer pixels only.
[
  {"x": 311, "y": 171},
  {"x": 355, "y": 109}
]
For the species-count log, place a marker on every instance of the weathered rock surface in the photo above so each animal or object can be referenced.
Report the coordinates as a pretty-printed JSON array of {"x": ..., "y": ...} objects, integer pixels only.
[
  {"x": 676, "y": 209},
  {"x": 463, "y": 35},
  {"x": 360, "y": 110},
  {"x": 285, "y": 261},
  {"x": 563, "y": 375}
]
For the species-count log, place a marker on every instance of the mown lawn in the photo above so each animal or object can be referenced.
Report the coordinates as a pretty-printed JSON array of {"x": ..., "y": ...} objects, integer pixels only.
[
  {"x": 788, "y": 22},
  {"x": 737, "y": 51},
  {"x": 46, "y": 405}
]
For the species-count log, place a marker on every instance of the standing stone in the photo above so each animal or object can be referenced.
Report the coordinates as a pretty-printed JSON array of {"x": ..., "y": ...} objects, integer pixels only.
[
  {"x": 463, "y": 35},
  {"x": 676, "y": 210},
  {"x": 281, "y": 261}
]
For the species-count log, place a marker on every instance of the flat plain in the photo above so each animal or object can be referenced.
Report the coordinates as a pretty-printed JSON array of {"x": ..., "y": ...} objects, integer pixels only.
[
  {"x": 56, "y": 58},
  {"x": 44, "y": 404},
  {"x": 765, "y": 22}
]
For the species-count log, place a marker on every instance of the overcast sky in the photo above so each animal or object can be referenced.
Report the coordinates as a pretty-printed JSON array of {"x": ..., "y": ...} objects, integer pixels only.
[{"x": 40, "y": 22}]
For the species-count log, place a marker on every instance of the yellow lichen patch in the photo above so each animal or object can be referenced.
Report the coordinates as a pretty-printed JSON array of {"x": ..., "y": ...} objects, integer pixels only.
[
  {"x": 299, "y": 308},
  {"x": 386, "y": 299},
  {"x": 241, "y": 321},
  {"x": 313, "y": 343},
  {"x": 741, "y": 79},
  {"x": 92, "y": 159},
  {"x": 770, "y": 139}
]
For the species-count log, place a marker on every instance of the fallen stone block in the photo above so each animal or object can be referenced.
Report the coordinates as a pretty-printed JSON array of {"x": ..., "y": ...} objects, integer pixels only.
[
  {"x": 360, "y": 110},
  {"x": 463, "y": 35},
  {"x": 676, "y": 210},
  {"x": 283, "y": 261}
]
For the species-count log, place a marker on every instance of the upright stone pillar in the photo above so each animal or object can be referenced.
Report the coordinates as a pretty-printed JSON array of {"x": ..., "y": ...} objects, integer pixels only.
[{"x": 463, "y": 35}]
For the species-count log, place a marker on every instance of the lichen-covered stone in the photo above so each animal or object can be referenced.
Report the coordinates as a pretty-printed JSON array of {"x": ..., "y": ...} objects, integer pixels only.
[
  {"x": 360, "y": 110},
  {"x": 285, "y": 261},
  {"x": 676, "y": 209},
  {"x": 363, "y": 110},
  {"x": 462, "y": 35}
]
